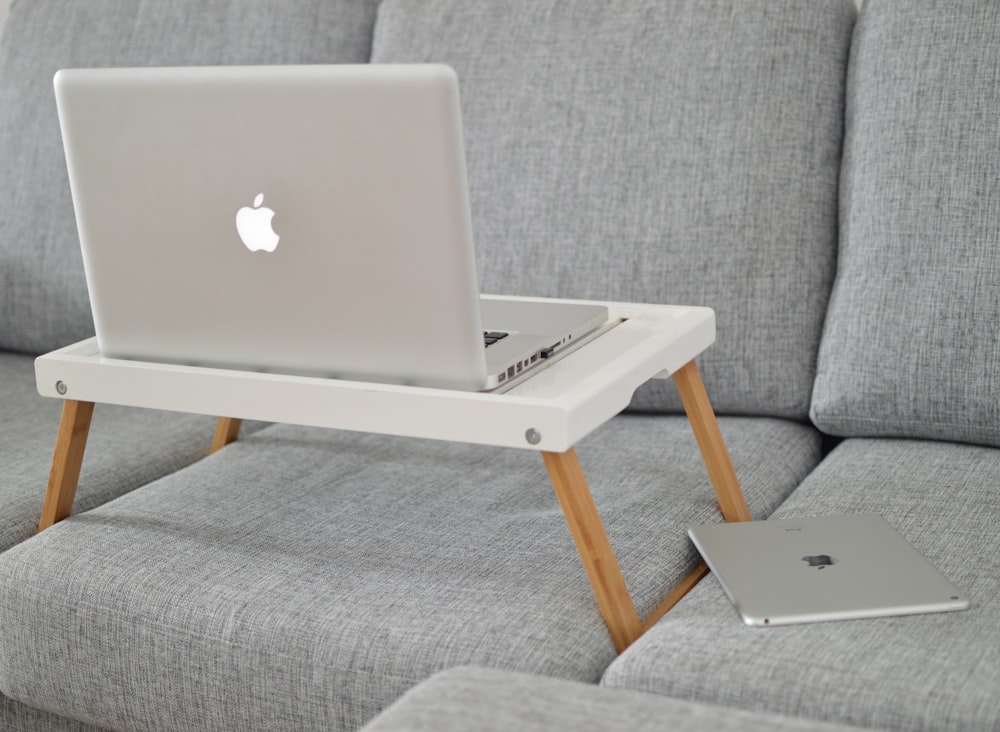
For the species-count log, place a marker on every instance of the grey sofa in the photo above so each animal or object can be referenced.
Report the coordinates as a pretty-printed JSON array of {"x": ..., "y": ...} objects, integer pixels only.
[{"x": 829, "y": 184}]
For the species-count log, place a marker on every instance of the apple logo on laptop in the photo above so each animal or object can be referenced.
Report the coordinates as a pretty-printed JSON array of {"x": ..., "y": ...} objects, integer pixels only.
[
  {"x": 820, "y": 561},
  {"x": 254, "y": 226}
]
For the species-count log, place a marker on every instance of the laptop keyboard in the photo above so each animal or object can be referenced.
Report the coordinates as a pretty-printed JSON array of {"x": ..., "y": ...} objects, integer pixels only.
[{"x": 493, "y": 336}]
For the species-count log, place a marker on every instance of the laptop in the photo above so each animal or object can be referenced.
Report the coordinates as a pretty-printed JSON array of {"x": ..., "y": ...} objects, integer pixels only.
[
  {"x": 808, "y": 570},
  {"x": 299, "y": 219}
]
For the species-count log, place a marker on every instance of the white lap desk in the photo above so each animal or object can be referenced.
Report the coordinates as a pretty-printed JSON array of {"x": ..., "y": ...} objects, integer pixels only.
[{"x": 549, "y": 412}]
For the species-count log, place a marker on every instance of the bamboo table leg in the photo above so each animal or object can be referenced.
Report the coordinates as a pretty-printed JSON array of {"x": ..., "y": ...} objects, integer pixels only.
[
  {"x": 227, "y": 429},
  {"x": 709, "y": 438},
  {"x": 66, "y": 461},
  {"x": 588, "y": 530},
  {"x": 68, "y": 457},
  {"x": 686, "y": 585},
  {"x": 595, "y": 550}
]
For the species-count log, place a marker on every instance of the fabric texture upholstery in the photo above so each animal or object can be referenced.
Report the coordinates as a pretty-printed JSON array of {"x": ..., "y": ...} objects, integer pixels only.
[
  {"x": 305, "y": 579},
  {"x": 911, "y": 346},
  {"x": 43, "y": 296},
  {"x": 919, "y": 672},
  {"x": 496, "y": 701},
  {"x": 655, "y": 151},
  {"x": 17, "y": 717}
]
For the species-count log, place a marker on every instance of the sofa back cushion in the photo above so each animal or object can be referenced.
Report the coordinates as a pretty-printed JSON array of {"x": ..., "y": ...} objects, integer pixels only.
[
  {"x": 662, "y": 151},
  {"x": 43, "y": 297},
  {"x": 912, "y": 341}
]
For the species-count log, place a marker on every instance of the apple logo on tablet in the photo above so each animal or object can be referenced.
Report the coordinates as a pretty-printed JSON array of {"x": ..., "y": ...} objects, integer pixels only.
[
  {"x": 820, "y": 561},
  {"x": 254, "y": 226}
]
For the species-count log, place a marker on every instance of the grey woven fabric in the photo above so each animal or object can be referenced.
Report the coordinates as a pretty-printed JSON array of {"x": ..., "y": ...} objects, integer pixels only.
[
  {"x": 17, "y": 717},
  {"x": 43, "y": 298},
  {"x": 912, "y": 341},
  {"x": 921, "y": 672},
  {"x": 126, "y": 448},
  {"x": 655, "y": 151},
  {"x": 497, "y": 701},
  {"x": 304, "y": 579}
]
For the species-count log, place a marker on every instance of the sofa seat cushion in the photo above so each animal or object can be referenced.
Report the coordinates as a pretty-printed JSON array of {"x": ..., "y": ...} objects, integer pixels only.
[
  {"x": 304, "y": 578},
  {"x": 920, "y": 672},
  {"x": 910, "y": 347},
  {"x": 126, "y": 448},
  {"x": 661, "y": 151},
  {"x": 43, "y": 295},
  {"x": 488, "y": 700}
]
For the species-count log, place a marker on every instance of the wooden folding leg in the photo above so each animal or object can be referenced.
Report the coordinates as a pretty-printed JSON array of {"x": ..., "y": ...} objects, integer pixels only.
[
  {"x": 677, "y": 594},
  {"x": 595, "y": 550},
  {"x": 227, "y": 429},
  {"x": 66, "y": 461},
  {"x": 709, "y": 438}
]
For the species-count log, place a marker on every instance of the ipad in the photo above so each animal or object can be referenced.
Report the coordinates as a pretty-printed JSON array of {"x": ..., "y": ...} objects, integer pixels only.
[{"x": 808, "y": 570}]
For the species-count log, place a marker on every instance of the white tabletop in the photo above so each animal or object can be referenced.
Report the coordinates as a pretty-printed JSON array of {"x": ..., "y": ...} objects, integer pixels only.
[{"x": 551, "y": 410}]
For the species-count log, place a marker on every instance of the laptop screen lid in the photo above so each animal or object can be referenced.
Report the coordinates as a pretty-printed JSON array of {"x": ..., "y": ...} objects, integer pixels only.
[{"x": 180, "y": 175}]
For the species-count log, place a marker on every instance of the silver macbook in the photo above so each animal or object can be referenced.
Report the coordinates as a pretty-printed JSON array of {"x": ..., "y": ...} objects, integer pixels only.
[
  {"x": 300, "y": 219},
  {"x": 828, "y": 568}
]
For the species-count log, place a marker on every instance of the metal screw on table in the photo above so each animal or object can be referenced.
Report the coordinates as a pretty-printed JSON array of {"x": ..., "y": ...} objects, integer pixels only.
[
  {"x": 61, "y": 388},
  {"x": 533, "y": 436}
]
